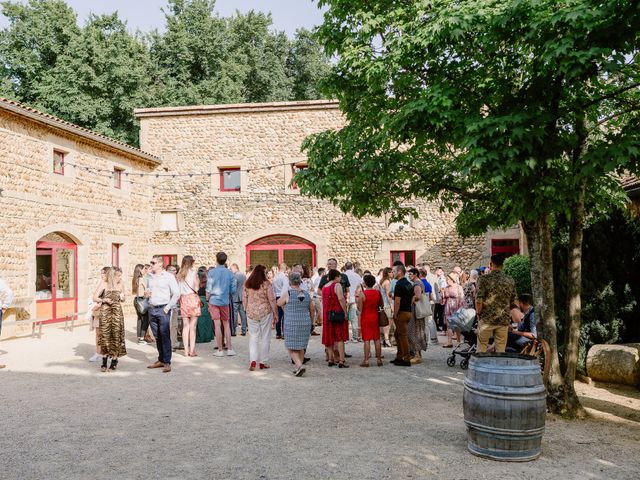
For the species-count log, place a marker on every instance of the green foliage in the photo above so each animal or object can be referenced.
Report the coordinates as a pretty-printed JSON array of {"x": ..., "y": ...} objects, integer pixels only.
[
  {"x": 95, "y": 75},
  {"x": 517, "y": 267},
  {"x": 610, "y": 282},
  {"x": 498, "y": 110}
]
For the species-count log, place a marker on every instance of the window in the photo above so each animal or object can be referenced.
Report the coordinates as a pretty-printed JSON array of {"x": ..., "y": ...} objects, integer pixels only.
[
  {"x": 295, "y": 168},
  {"x": 407, "y": 257},
  {"x": 230, "y": 179},
  {"x": 117, "y": 177},
  {"x": 58, "y": 162},
  {"x": 505, "y": 246},
  {"x": 115, "y": 254},
  {"x": 169, "y": 260},
  {"x": 169, "y": 221}
]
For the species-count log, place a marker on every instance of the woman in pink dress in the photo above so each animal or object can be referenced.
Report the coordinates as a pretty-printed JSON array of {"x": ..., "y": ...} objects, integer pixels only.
[
  {"x": 369, "y": 301},
  {"x": 454, "y": 300},
  {"x": 334, "y": 334}
]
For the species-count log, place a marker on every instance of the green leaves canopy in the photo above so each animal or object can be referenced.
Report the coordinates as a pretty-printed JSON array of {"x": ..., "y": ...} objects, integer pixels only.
[
  {"x": 496, "y": 108},
  {"x": 95, "y": 75}
]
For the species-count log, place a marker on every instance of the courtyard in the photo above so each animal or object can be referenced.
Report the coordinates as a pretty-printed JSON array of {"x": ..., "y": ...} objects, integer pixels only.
[{"x": 212, "y": 418}]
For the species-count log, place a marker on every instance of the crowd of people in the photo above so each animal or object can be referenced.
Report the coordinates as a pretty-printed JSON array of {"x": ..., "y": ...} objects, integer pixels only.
[{"x": 404, "y": 306}]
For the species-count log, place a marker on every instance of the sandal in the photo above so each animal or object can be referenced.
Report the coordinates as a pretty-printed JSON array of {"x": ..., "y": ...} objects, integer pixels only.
[
  {"x": 103, "y": 368},
  {"x": 342, "y": 365},
  {"x": 379, "y": 362},
  {"x": 365, "y": 364},
  {"x": 114, "y": 365},
  {"x": 448, "y": 346}
]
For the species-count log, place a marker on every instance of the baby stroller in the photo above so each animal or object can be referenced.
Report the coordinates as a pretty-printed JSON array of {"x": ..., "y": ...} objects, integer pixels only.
[{"x": 463, "y": 320}]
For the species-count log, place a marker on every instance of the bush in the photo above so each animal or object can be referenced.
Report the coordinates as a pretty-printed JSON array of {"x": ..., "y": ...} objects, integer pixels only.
[{"x": 517, "y": 267}]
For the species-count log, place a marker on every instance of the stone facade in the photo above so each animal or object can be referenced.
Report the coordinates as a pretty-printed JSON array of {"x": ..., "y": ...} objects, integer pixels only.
[
  {"x": 170, "y": 201},
  {"x": 81, "y": 206},
  {"x": 252, "y": 137}
]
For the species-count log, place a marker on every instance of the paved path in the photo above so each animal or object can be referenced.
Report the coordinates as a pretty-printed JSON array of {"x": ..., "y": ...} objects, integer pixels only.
[{"x": 212, "y": 418}]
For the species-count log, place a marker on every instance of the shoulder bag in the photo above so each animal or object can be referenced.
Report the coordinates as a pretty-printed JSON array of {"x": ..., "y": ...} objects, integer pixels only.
[
  {"x": 423, "y": 306},
  {"x": 141, "y": 304},
  {"x": 383, "y": 320},
  {"x": 335, "y": 316}
]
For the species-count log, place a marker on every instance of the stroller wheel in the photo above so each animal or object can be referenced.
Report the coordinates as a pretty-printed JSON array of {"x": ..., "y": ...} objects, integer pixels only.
[
  {"x": 464, "y": 363},
  {"x": 451, "y": 361}
]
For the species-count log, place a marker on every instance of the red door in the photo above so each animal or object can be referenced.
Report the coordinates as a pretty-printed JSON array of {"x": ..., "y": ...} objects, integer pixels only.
[
  {"x": 56, "y": 281},
  {"x": 276, "y": 249}
]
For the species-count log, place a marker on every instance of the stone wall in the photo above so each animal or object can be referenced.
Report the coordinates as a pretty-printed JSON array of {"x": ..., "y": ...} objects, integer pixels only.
[
  {"x": 81, "y": 205},
  {"x": 204, "y": 139}
]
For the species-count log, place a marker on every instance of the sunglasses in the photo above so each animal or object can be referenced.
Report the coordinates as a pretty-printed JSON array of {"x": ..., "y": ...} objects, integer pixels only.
[{"x": 152, "y": 262}]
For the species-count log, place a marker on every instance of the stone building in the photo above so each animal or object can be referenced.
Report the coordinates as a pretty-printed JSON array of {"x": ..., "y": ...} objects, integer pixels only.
[
  {"x": 67, "y": 209},
  {"x": 215, "y": 178},
  {"x": 241, "y": 200}
]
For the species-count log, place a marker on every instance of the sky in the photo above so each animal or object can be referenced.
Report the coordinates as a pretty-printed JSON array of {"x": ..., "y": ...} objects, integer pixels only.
[{"x": 145, "y": 15}]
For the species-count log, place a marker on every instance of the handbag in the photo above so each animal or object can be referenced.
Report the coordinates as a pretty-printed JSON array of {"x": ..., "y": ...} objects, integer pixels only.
[
  {"x": 383, "y": 320},
  {"x": 335, "y": 316},
  {"x": 199, "y": 299},
  {"x": 423, "y": 306},
  {"x": 141, "y": 304}
]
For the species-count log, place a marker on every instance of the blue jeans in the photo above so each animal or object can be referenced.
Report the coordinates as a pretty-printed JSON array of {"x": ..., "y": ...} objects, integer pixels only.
[
  {"x": 160, "y": 326},
  {"x": 238, "y": 307}
]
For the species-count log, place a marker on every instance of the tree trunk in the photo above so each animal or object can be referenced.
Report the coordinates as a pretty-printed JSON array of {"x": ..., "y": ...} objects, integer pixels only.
[
  {"x": 574, "y": 304},
  {"x": 540, "y": 252}
]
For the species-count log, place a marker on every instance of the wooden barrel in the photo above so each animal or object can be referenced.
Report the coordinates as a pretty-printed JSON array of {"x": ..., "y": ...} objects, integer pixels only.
[{"x": 504, "y": 406}]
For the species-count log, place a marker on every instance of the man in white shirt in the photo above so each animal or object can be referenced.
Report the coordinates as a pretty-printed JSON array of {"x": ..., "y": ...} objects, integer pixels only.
[
  {"x": 6, "y": 297},
  {"x": 280, "y": 284},
  {"x": 163, "y": 293},
  {"x": 355, "y": 281}
]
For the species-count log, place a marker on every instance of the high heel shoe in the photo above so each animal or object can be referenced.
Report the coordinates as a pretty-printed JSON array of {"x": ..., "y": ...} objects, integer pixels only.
[{"x": 342, "y": 365}]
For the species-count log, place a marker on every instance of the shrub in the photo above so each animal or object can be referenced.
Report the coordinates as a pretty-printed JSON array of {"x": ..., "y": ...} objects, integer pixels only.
[{"x": 517, "y": 267}]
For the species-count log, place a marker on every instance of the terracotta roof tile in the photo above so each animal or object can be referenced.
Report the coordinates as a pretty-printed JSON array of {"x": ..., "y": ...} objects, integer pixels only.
[{"x": 54, "y": 121}]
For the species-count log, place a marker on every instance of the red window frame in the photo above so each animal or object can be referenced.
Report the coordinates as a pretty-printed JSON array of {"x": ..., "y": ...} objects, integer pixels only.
[
  {"x": 505, "y": 246},
  {"x": 295, "y": 168},
  {"x": 403, "y": 256},
  {"x": 58, "y": 171},
  {"x": 117, "y": 177},
  {"x": 222, "y": 172},
  {"x": 115, "y": 254}
]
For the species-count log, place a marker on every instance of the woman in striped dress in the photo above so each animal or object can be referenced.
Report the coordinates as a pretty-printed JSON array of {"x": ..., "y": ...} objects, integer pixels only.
[
  {"x": 111, "y": 294},
  {"x": 298, "y": 311}
]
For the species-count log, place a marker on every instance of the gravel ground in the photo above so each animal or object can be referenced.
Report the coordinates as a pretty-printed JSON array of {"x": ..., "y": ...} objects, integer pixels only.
[{"x": 212, "y": 418}]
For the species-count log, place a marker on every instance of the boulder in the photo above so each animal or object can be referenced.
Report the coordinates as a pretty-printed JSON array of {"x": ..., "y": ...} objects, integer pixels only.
[{"x": 615, "y": 363}]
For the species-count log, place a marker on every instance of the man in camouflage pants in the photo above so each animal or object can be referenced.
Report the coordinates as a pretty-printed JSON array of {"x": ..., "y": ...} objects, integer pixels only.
[{"x": 496, "y": 294}]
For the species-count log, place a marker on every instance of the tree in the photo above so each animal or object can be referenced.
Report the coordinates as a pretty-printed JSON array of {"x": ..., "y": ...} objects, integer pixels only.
[
  {"x": 307, "y": 66},
  {"x": 99, "y": 79},
  {"x": 37, "y": 35},
  {"x": 503, "y": 111},
  {"x": 263, "y": 56}
]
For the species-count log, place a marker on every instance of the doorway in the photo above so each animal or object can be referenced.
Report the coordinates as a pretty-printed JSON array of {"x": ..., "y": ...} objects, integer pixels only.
[
  {"x": 56, "y": 278},
  {"x": 276, "y": 249}
]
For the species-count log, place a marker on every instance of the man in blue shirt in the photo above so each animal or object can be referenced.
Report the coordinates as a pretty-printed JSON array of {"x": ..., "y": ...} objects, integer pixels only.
[
  {"x": 220, "y": 287},
  {"x": 526, "y": 330}
]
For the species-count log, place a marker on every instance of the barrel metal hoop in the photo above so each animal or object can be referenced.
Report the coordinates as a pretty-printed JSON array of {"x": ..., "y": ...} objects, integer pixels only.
[
  {"x": 519, "y": 369},
  {"x": 508, "y": 393},
  {"x": 508, "y": 433},
  {"x": 505, "y": 456}
]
